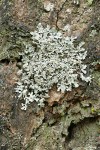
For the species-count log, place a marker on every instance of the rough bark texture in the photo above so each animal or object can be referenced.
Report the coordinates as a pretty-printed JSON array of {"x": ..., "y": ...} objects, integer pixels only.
[{"x": 70, "y": 121}]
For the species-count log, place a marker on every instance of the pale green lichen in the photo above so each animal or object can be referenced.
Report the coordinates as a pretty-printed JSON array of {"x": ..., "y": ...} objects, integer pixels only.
[
  {"x": 77, "y": 2},
  {"x": 51, "y": 59}
]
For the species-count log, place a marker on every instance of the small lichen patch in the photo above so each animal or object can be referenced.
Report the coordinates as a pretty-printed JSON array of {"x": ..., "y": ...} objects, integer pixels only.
[
  {"x": 48, "y": 6},
  {"x": 52, "y": 59}
]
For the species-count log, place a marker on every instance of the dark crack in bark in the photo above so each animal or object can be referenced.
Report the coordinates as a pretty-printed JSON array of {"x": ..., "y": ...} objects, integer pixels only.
[{"x": 61, "y": 8}]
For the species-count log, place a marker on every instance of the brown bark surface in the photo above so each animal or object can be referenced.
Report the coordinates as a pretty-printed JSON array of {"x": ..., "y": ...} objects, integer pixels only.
[{"x": 70, "y": 121}]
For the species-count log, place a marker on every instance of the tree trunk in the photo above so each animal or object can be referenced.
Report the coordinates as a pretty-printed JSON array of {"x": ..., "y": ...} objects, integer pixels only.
[{"x": 70, "y": 121}]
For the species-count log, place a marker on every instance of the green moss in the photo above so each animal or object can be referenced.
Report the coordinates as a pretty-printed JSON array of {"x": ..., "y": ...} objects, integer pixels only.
[
  {"x": 11, "y": 38},
  {"x": 89, "y": 2},
  {"x": 1, "y": 2},
  {"x": 96, "y": 77},
  {"x": 8, "y": 50},
  {"x": 45, "y": 134},
  {"x": 94, "y": 110}
]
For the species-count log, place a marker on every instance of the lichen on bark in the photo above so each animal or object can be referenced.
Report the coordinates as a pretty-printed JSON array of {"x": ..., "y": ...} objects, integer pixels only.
[{"x": 70, "y": 121}]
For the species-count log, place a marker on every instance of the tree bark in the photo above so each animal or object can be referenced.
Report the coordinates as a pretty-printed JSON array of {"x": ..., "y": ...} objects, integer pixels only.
[{"x": 70, "y": 121}]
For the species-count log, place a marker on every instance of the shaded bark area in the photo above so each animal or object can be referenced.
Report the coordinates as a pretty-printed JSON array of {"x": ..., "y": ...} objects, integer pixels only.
[{"x": 69, "y": 121}]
